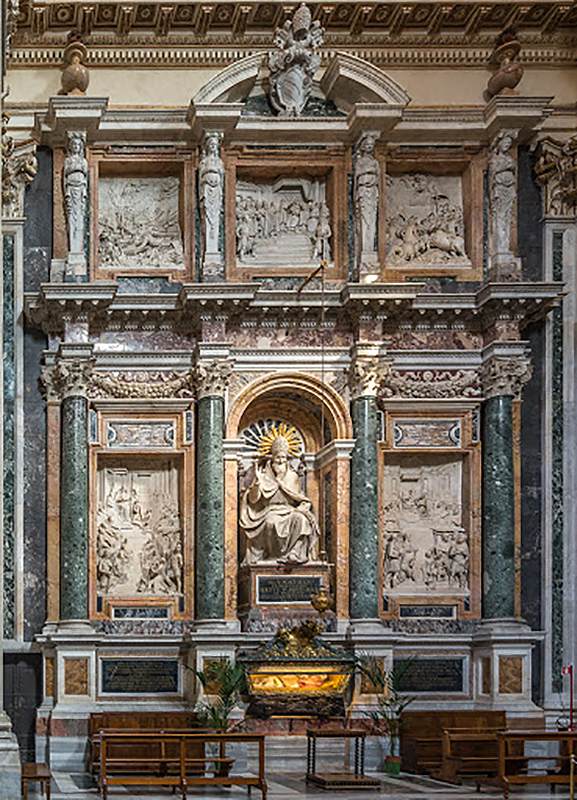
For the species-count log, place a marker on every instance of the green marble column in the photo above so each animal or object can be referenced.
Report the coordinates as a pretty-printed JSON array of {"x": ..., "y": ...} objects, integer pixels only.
[
  {"x": 210, "y": 509},
  {"x": 363, "y": 558},
  {"x": 498, "y": 509},
  {"x": 74, "y": 509}
]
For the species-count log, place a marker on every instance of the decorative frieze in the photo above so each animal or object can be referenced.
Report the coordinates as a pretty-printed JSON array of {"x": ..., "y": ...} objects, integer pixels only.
[
  {"x": 431, "y": 383},
  {"x": 19, "y": 167},
  {"x": 504, "y": 375},
  {"x": 137, "y": 384},
  {"x": 212, "y": 377}
]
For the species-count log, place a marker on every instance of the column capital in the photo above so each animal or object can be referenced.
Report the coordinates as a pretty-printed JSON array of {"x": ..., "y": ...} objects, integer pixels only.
[
  {"x": 70, "y": 375},
  {"x": 505, "y": 375},
  {"x": 367, "y": 371},
  {"x": 212, "y": 377}
]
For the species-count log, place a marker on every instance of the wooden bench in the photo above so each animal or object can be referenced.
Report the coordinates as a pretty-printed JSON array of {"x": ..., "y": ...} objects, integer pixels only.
[
  {"x": 517, "y": 767},
  {"x": 469, "y": 754},
  {"x": 135, "y": 721},
  {"x": 422, "y": 734},
  {"x": 169, "y": 761},
  {"x": 36, "y": 773}
]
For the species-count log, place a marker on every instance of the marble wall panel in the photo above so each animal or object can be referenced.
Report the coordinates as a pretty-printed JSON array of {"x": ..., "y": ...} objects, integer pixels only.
[
  {"x": 142, "y": 341},
  {"x": 529, "y": 232},
  {"x": 298, "y": 336},
  {"x": 8, "y": 441}
]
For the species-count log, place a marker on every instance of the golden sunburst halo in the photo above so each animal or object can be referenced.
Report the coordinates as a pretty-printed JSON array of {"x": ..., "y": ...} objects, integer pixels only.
[{"x": 284, "y": 430}]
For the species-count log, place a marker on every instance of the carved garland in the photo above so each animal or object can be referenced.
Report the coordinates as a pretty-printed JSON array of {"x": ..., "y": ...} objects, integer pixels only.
[{"x": 431, "y": 384}]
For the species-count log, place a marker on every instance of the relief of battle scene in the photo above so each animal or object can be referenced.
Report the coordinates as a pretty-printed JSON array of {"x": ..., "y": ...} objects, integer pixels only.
[
  {"x": 286, "y": 219},
  {"x": 139, "y": 536},
  {"x": 138, "y": 223},
  {"x": 425, "y": 220},
  {"x": 426, "y": 545}
]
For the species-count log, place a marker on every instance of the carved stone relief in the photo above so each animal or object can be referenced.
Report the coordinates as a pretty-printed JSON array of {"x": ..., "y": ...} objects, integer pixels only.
[
  {"x": 138, "y": 223},
  {"x": 139, "y": 539},
  {"x": 139, "y": 434},
  {"x": 211, "y": 193},
  {"x": 283, "y": 221},
  {"x": 75, "y": 186},
  {"x": 556, "y": 171},
  {"x": 141, "y": 384},
  {"x": 366, "y": 177},
  {"x": 431, "y": 383},
  {"x": 426, "y": 547},
  {"x": 19, "y": 167},
  {"x": 425, "y": 220},
  {"x": 502, "y": 194},
  {"x": 293, "y": 62}
]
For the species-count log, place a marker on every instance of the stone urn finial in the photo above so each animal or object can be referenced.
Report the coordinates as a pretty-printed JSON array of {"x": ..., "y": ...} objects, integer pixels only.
[
  {"x": 75, "y": 76},
  {"x": 508, "y": 71}
]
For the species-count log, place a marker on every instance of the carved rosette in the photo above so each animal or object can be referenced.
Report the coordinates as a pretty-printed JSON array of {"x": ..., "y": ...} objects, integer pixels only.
[
  {"x": 431, "y": 383},
  {"x": 366, "y": 375},
  {"x": 211, "y": 378},
  {"x": 68, "y": 378},
  {"x": 504, "y": 375},
  {"x": 19, "y": 167}
]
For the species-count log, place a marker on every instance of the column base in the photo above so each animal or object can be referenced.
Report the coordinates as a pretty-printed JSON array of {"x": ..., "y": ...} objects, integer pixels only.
[
  {"x": 365, "y": 627},
  {"x": 502, "y": 666},
  {"x": 222, "y": 626},
  {"x": 72, "y": 626}
]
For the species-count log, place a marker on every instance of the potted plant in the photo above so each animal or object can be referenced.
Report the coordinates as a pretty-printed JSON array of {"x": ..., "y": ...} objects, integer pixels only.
[
  {"x": 223, "y": 683},
  {"x": 390, "y": 703}
]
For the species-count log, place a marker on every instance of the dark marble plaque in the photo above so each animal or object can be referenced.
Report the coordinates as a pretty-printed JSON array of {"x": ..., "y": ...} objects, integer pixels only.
[
  {"x": 287, "y": 588},
  {"x": 430, "y": 675},
  {"x": 139, "y": 676},
  {"x": 430, "y": 612}
]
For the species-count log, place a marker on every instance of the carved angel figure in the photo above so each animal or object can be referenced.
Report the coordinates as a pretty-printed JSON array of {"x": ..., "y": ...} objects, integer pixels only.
[
  {"x": 75, "y": 177},
  {"x": 275, "y": 516}
]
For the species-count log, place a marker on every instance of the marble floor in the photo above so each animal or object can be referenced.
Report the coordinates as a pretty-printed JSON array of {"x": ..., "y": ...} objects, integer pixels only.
[{"x": 289, "y": 786}]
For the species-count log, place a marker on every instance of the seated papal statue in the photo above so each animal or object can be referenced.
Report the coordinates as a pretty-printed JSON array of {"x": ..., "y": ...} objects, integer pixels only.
[{"x": 275, "y": 515}]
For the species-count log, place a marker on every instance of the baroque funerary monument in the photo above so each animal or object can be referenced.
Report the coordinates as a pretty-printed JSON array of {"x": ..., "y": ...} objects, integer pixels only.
[{"x": 288, "y": 304}]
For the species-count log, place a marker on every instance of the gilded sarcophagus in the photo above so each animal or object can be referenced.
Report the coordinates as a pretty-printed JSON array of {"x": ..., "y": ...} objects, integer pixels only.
[{"x": 297, "y": 673}]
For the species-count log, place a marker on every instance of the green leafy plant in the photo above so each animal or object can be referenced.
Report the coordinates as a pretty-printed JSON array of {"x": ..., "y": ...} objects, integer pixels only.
[
  {"x": 390, "y": 700},
  {"x": 223, "y": 683}
]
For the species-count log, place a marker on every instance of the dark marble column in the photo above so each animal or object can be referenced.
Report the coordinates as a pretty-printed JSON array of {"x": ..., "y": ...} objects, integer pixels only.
[
  {"x": 210, "y": 510},
  {"x": 211, "y": 381},
  {"x": 364, "y": 533},
  {"x": 74, "y": 510},
  {"x": 503, "y": 379},
  {"x": 69, "y": 377}
]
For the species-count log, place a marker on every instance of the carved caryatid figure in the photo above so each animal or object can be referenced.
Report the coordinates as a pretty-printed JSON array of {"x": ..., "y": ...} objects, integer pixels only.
[
  {"x": 502, "y": 188},
  {"x": 366, "y": 200},
  {"x": 294, "y": 62},
  {"x": 275, "y": 515},
  {"x": 75, "y": 178},
  {"x": 211, "y": 189}
]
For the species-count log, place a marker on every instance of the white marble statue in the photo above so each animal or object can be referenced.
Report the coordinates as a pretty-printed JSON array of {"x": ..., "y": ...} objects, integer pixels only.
[
  {"x": 502, "y": 192},
  {"x": 275, "y": 515},
  {"x": 75, "y": 180},
  {"x": 294, "y": 62},
  {"x": 366, "y": 177},
  {"x": 211, "y": 192}
]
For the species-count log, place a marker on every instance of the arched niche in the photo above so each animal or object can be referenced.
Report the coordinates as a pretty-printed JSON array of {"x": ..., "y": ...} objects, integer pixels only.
[{"x": 311, "y": 407}]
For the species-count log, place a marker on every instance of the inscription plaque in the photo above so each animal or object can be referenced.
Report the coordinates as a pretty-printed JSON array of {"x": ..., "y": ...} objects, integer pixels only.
[
  {"x": 430, "y": 675},
  {"x": 287, "y": 588},
  {"x": 427, "y": 612},
  {"x": 139, "y": 676},
  {"x": 139, "y": 612}
]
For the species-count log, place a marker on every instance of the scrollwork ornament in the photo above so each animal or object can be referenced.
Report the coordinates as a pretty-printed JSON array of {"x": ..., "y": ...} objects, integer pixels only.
[
  {"x": 68, "y": 378},
  {"x": 365, "y": 376},
  {"x": 502, "y": 375},
  {"x": 212, "y": 377}
]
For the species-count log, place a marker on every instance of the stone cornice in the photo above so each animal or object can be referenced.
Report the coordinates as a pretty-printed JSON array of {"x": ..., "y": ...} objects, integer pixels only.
[{"x": 104, "y": 307}]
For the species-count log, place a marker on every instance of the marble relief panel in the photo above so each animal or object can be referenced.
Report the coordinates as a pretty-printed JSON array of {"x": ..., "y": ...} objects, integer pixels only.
[
  {"x": 139, "y": 223},
  {"x": 426, "y": 544},
  {"x": 427, "y": 433},
  {"x": 285, "y": 337},
  {"x": 139, "y": 535},
  {"x": 436, "y": 339},
  {"x": 425, "y": 220},
  {"x": 282, "y": 221},
  {"x": 139, "y": 434}
]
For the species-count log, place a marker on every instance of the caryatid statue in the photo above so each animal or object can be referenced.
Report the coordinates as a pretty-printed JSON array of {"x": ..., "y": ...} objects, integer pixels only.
[
  {"x": 275, "y": 515},
  {"x": 75, "y": 180},
  {"x": 366, "y": 178},
  {"x": 503, "y": 193},
  {"x": 211, "y": 192}
]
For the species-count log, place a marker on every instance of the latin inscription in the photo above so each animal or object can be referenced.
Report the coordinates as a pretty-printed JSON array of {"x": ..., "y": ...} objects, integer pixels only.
[
  {"x": 139, "y": 676},
  {"x": 287, "y": 588},
  {"x": 430, "y": 675}
]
